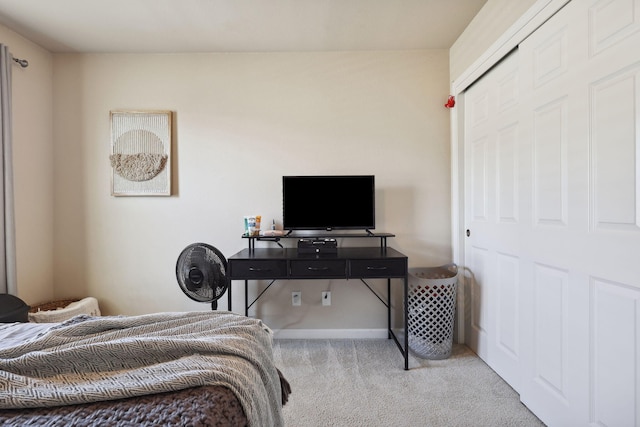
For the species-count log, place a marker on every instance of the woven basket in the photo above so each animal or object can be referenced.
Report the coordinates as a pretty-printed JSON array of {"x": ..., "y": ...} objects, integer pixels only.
[
  {"x": 432, "y": 307},
  {"x": 59, "y": 311},
  {"x": 52, "y": 305}
]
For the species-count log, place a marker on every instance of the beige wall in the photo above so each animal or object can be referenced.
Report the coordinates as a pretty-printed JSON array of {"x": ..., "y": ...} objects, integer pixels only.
[
  {"x": 495, "y": 17},
  {"x": 33, "y": 167},
  {"x": 241, "y": 122}
]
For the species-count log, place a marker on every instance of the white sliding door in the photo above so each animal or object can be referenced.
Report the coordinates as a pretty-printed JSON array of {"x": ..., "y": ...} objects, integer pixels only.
[
  {"x": 492, "y": 217},
  {"x": 555, "y": 122},
  {"x": 552, "y": 204},
  {"x": 582, "y": 70}
]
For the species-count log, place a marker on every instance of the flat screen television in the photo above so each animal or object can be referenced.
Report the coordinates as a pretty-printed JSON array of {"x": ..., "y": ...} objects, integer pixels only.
[{"x": 328, "y": 202}]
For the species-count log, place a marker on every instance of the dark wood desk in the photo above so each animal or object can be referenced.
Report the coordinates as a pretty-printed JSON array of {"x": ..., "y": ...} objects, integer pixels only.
[{"x": 348, "y": 263}]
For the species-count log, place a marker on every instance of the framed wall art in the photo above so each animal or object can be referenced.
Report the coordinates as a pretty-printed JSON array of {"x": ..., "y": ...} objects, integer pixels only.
[{"x": 141, "y": 153}]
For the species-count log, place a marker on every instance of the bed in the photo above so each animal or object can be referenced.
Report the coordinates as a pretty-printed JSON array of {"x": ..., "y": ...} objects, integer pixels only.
[{"x": 195, "y": 368}]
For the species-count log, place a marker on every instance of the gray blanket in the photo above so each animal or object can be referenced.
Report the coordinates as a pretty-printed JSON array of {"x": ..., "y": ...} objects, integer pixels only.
[{"x": 99, "y": 359}]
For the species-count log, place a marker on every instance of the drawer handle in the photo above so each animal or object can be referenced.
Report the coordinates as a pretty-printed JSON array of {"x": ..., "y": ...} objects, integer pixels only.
[
  {"x": 259, "y": 269},
  {"x": 376, "y": 268},
  {"x": 317, "y": 268}
]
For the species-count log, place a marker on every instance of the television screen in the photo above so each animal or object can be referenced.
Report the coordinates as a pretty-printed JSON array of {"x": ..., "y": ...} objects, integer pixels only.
[{"x": 328, "y": 202}]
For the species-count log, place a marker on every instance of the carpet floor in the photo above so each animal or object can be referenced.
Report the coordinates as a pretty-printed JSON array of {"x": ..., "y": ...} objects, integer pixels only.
[{"x": 363, "y": 383}]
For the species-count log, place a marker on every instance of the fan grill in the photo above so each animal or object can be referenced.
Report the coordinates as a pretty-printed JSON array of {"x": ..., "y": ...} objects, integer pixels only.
[{"x": 202, "y": 272}]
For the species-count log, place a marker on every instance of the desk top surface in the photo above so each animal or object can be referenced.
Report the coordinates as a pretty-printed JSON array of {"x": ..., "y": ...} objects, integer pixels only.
[
  {"x": 343, "y": 253},
  {"x": 320, "y": 235}
]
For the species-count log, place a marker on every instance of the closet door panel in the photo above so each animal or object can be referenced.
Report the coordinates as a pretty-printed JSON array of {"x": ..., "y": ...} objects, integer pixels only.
[
  {"x": 582, "y": 124},
  {"x": 555, "y": 326},
  {"x": 551, "y": 357},
  {"x": 616, "y": 340},
  {"x": 614, "y": 107},
  {"x": 492, "y": 194},
  {"x": 550, "y": 163}
]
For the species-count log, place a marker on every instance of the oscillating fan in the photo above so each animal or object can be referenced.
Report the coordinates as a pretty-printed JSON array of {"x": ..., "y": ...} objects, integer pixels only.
[{"x": 202, "y": 273}]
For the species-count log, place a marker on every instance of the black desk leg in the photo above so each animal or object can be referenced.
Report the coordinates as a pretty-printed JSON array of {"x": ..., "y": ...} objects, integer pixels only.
[
  {"x": 389, "y": 308},
  {"x": 246, "y": 298},
  {"x": 406, "y": 323},
  {"x": 229, "y": 296}
]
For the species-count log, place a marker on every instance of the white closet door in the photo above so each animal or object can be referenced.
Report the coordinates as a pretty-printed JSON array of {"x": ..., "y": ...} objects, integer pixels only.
[
  {"x": 555, "y": 139},
  {"x": 552, "y": 203},
  {"x": 581, "y": 73},
  {"x": 492, "y": 214}
]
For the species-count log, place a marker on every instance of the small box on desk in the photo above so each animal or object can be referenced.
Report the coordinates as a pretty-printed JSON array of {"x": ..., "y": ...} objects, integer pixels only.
[{"x": 317, "y": 246}]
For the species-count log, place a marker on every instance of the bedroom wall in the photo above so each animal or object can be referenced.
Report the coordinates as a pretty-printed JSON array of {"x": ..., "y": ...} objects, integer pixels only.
[
  {"x": 32, "y": 167},
  {"x": 241, "y": 122}
]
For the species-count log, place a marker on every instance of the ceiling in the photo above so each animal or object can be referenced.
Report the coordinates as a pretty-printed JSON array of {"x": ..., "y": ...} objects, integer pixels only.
[{"x": 168, "y": 26}]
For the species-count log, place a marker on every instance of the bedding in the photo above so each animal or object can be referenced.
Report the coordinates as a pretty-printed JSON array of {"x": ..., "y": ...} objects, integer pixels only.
[
  {"x": 160, "y": 366},
  {"x": 12, "y": 334}
]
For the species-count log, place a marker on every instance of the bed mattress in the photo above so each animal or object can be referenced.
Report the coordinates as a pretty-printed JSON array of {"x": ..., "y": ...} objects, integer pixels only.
[{"x": 206, "y": 400}]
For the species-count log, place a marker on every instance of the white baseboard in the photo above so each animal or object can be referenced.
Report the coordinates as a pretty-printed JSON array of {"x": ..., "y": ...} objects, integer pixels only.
[{"x": 319, "y": 334}]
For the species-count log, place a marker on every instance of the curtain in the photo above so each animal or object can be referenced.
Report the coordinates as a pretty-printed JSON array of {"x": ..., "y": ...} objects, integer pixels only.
[{"x": 8, "y": 282}]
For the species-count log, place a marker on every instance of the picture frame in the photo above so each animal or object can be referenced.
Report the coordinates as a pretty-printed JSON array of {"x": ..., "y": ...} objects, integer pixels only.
[{"x": 140, "y": 157}]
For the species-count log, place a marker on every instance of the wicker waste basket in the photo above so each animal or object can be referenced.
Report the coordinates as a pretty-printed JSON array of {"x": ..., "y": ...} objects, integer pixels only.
[{"x": 432, "y": 307}]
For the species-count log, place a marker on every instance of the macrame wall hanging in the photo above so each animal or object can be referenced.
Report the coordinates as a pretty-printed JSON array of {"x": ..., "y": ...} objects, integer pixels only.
[{"x": 140, "y": 153}]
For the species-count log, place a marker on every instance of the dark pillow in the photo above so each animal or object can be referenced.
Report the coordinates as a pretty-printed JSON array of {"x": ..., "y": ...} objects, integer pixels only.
[{"x": 13, "y": 309}]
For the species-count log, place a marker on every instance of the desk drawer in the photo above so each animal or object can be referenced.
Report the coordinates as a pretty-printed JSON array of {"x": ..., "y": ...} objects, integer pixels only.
[
  {"x": 378, "y": 268},
  {"x": 321, "y": 268},
  {"x": 259, "y": 269}
]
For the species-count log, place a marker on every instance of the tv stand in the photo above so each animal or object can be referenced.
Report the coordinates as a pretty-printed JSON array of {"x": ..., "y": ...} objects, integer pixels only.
[
  {"x": 370, "y": 262},
  {"x": 321, "y": 235}
]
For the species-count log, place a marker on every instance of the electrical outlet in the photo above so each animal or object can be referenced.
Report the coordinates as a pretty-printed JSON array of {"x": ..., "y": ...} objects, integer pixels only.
[
  {"x": 326, "y": 298},
  {"x": 296, "y": 298}
]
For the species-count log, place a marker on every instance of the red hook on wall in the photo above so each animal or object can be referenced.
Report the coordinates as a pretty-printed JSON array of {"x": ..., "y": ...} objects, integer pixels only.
[{"x": 451, "y": 102}]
